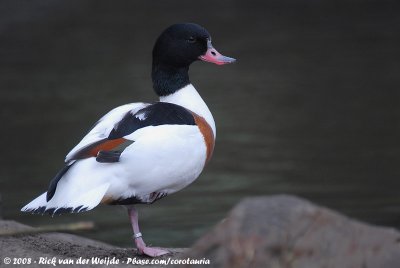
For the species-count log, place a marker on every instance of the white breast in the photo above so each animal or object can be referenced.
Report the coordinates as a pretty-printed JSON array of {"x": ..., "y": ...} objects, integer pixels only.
[{"x": 189, "y": 98}]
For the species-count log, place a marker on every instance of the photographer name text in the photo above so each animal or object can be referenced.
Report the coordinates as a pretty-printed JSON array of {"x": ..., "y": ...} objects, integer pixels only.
[{"x": 55, "y": 261}]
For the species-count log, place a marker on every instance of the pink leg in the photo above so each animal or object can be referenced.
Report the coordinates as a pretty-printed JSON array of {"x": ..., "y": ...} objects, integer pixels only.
[{"x": 137, "y": 236}]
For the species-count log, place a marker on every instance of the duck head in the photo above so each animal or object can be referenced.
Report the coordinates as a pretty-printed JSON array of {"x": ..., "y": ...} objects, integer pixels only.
[{"x": 176, "y": 48}]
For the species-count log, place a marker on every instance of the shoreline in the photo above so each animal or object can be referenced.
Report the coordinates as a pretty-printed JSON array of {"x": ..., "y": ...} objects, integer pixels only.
[
  {"x": 279, "y": 231},
  {"x": 54, "y": 249}
]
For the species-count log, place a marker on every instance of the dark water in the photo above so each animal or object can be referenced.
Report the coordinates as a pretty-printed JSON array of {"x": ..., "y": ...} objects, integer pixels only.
[{"x": 311, "y": 107}]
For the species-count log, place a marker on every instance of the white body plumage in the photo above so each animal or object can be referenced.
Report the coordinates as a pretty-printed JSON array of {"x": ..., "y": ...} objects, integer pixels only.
[{"x": 162, "y": 159}]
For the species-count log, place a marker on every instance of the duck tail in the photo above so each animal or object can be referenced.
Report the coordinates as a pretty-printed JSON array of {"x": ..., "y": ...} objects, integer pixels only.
[
  {"x": 37, "y": 205},
  {"x": 84, "y": 202}
]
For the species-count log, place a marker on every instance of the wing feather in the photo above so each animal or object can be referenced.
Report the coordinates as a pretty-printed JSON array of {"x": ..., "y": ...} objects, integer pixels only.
[
  {"x": 113, "y": 131},
  {"x": 102, "y": 129}
]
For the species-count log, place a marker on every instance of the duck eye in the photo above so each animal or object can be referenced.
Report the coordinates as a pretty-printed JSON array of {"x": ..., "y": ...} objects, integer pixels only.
[{"x": 191, "y": 39}]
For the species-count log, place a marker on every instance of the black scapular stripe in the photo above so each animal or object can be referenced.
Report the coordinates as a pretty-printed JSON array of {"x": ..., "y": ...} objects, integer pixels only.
[
  {"x": 53, "y": 183},
  {"x": 159, "y": 113}
]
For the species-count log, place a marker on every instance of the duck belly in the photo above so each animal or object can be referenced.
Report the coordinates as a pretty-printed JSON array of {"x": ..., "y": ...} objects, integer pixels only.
[{"x": 163, "y": 159}]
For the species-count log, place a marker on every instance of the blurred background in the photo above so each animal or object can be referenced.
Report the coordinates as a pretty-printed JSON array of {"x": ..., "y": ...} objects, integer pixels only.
[{"x": 310, "y": 108}]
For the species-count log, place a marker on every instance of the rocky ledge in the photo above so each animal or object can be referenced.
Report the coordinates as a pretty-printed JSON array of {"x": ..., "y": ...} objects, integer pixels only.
[
  {"x": 64, "y": 248},
  {"x": 290, "y": 232},
  {"x": 277, "y": 232}
]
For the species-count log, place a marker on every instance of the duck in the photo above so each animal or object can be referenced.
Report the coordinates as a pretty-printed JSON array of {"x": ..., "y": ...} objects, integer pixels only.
[{"x": 141, "y": 152}]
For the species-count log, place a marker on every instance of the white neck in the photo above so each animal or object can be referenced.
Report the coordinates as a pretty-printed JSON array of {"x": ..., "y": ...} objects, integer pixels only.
[{"x": 189, "y": 98}]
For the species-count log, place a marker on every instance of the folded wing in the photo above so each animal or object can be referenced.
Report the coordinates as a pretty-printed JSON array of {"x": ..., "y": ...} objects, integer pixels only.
[{"x": 97, "y": 138}]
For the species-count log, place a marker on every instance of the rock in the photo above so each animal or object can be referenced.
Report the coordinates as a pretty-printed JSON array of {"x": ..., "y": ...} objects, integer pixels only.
[
  {"x": 285, "y": 231},
  {"x": 64, "y": 247}
]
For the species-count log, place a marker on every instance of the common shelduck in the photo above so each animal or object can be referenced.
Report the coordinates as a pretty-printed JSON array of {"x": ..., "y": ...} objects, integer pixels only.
[{"x": 141, "y": 152}]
